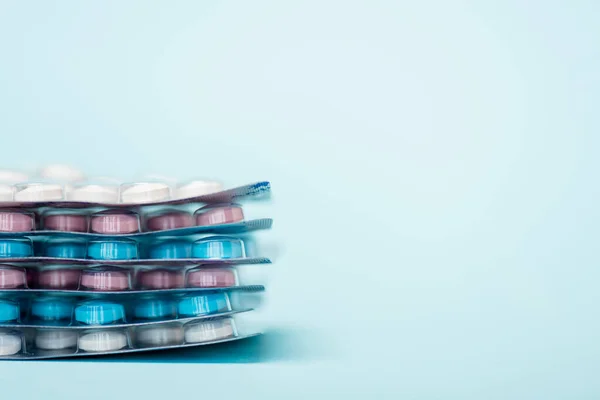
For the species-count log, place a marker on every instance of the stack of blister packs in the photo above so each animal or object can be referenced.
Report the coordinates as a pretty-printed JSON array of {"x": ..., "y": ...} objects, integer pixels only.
[{"x": 103, "y": 267}]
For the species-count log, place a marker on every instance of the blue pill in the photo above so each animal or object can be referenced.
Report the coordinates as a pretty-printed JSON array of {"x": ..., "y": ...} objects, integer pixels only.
[
  {"x": 65, "y": 249},
  {"x": 171, "y": 249},
  {"x": 52, "y": 309},
  {"x": 15, "y": 248},
  {"x": 202, "y": 305},
  {"x": 9, "y": 311},
  {"x": 218, "y": 247},
  {"x": 155, "y": 309},
  {"x": 99, "y": 313},
  {"x": 112, "y": 250}
]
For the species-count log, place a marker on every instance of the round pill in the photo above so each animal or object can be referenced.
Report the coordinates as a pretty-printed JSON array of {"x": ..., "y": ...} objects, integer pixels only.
[
  {"x": 55, "y": 339},
  {"x": 197, "y": 188},
  {"x": 12, "y": 277},
  {"x": 105, "y": 279},
  {"x": 171, "y": 249},
  {"x": 49, "y": 309},
  {"x": 104, "y": 340},
  {"x": 170, "y": 220},
  {"x": 155, "y": 309},
  {"x": 216, "y": 215},
  {"x": 61, "y": 172},
  {"x": 59, "y": 278},
  {"x": 161, "y": 335},
  {"x": 208, "y": 331},
  {"x": 115, "y": 222},
  {"x": 112, "y": 250},
  {"x": 191, "y": 306},
  {"x": 211, "y": 278},
  {"x": 11, "y": 221},
  {"x": 145, "y": 192},
  {"x": 159, "y": 279},
  {"x": 15, "y": 248},
  {"x": 7, "y": 192},
  {"x": 218, "y": 247},
  {"x": 64, "y": 248},
  {"x": 10, "y": 176},
  {"x": 9, "y": 311},
  {"x": 39, "y": 192},
  {"x": 97, "y": 312},
  {"x": 93, "y": 193},
  {"x": 10, "y": 342},
  {"x": 65, "y": 222}
]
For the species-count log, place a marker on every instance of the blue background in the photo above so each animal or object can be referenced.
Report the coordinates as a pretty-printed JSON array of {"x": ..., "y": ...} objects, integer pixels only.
[{"x": 434, "y": 167}]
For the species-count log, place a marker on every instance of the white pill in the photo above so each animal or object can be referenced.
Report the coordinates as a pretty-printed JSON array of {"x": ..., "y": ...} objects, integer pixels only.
[
  {"x": 10, "y": 343},
  {"x": 145, "y": 192},
  {"x": 8, "y": 176},
  {"x": 7, "y": 192},
  {"x": 207, "y": 331},
  {"x": 55, "y": 339},
  {"x": 103, "y": 340},
  {"x": 59, "y": 172},
  {"x": 197, "y": 188},
  {"x": 161, "y": 335},
  {"x": 39, "y": 192},
  {"x": 94, "y": 193}
]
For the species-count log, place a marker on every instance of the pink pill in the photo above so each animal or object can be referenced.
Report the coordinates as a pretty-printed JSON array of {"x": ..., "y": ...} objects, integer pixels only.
[
  {"x": 213, "y": 277},
  {"x": 115, "y": 222},
  {"x": 213, "y": 215},
  {"x": 105, "y": 279},
  {"x": 16, "y": 221},
  {"x": 62, "y": 278},
  {"x": 12, "y": 278},
  {"x": 170, "y": 220},
  {"x": 66, "y": 222},
  {"x": 160, "y": 279}
]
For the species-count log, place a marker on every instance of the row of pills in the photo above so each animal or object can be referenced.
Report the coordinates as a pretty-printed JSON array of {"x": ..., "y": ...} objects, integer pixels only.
[
  {"x": 108, "y": 278},
  {"x": 209, "y": 248},
  {"x": 109, "y": 193},
  {"x": 117, "y": 222},
  {"x": 52, "y": 310},
  {"x": 42, "y": 342}
]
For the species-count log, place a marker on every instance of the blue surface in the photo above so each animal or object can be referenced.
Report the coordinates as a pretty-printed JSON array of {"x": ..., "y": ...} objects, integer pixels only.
[
  {"x": 15, "y": 248},
  {"x": 9, "y": 311},
  {"x": 99, "y": 312},
  {"x": 218, "y": 247},
  {"x": 66, "y": 249},
  {"x": 112, "y": 250},
  {"x": 51, "y": 309},
  {"x": 171, "y": 249},
  {"x": 434, "y": 168}
]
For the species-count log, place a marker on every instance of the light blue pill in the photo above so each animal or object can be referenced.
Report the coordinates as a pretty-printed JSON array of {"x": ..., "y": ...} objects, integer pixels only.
[
  {"x": 98, "y": 312},
  {"x": 65, "y": 249},
  {"x": 202, "y": 305},
  {"x": 171, "y": 249},
  {"x": 155, "y": 309},
  {"x": 112, "y": 250},
  {"x": 218, "y": 247},
  {"x": 15, "y": 248},
  {"x": 52, "y": 309},
  {"x": 9, "y": 311}
]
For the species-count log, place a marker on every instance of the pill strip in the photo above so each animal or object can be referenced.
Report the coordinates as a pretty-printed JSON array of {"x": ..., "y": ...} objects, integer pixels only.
[
  {"x": 32, "y": 344},
  {"x": 35, "y": 195}
]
